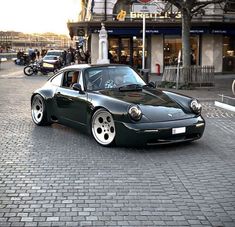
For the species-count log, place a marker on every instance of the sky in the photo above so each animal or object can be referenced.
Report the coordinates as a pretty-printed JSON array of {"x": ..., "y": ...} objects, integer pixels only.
[{"x": 38, "y": 16}]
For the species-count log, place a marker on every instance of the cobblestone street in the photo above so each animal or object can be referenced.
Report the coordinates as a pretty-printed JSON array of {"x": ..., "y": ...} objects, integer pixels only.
[{"x": 58, "y": 176}]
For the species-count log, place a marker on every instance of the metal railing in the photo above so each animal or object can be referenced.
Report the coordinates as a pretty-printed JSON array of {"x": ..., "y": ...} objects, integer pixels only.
[{"x": 193, "y": 75}]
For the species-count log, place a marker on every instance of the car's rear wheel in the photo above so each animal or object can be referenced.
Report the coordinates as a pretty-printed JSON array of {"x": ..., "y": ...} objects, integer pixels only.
[
  {"x": 103, "y": 127},
  {"x": 38, "y": 111}
]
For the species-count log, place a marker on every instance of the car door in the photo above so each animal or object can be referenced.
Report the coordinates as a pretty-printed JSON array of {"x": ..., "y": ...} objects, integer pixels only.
[{"x": 71, "y": 104}]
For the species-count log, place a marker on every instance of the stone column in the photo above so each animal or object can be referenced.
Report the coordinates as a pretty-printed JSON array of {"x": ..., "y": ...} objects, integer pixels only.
[
  {"x": 157, "y": 54},
  {"x": 212, "y": 51},
  {"x": 103, "y": 46}
]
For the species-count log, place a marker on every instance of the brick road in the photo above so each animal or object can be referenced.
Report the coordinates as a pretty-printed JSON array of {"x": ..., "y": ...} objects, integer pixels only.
[{"x": 57, "y": 176}]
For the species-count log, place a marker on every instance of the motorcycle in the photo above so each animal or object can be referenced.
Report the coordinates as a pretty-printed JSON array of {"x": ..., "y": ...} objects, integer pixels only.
[
  {"x": 34, "y": 68},
  {"x": 38, "y": 66}
]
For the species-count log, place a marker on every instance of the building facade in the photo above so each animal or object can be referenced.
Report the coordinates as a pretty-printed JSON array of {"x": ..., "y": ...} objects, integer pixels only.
[
  {"x": 212, "y": 33},
  {"x": 11, "y": 41}
]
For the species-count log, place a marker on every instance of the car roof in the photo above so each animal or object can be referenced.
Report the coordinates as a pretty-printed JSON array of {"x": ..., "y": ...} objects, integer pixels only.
[
  {"x": 83, "y": 66},
  {"x": 55, "y": 51},
  {"x": 50, "y": 56}
]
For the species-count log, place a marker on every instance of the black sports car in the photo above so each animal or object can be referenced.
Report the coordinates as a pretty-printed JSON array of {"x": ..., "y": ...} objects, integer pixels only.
[{"x": 114, "y": 105}]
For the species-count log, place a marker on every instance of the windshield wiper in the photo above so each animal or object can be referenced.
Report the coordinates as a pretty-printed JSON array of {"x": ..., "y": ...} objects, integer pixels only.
[{"x": 131, "y": 87}]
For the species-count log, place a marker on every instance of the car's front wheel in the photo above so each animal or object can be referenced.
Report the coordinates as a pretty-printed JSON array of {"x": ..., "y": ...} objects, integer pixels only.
[
  {"x": 38, "y": 111},
  {"x": 103, "y": 127}
]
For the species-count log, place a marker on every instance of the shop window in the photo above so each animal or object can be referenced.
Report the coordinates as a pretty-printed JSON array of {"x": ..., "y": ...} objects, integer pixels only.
[
  {"x": 172, "y": 46},
  {"x": 127, "y": 51},
  {"x": 113, "y": 54},
  {"x": 229, "y": 54},
  {"x": 137, "y": 52}
]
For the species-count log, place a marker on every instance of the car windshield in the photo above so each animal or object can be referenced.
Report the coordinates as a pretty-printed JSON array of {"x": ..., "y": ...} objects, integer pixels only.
[
  {"x": 109, "y": 77},
  {"x": 51, "y": 57},
  {"x": 56, "y": 53}
]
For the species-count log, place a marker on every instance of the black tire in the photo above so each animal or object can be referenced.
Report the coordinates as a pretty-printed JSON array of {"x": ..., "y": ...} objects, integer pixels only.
[
  {"x": 28, "y": 71},
  {"x": 103, "y": 127},
  {"x": 39, "y": 111}
]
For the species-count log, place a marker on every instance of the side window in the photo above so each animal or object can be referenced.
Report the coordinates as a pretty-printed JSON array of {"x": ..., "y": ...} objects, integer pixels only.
[
  {"x": 57, "y": 79},
  {"x": 70, "y": 78}
]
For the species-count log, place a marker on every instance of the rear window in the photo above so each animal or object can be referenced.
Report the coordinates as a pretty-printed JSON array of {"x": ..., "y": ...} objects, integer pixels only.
[{"x": 56, "y": 53}]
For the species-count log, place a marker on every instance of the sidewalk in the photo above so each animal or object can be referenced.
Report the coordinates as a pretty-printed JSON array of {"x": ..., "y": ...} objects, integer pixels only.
[{"x": 222, "y": 85}]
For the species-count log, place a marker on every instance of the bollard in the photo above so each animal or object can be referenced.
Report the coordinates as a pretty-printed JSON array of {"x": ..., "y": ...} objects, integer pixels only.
[{"x": 145, "y": 75}]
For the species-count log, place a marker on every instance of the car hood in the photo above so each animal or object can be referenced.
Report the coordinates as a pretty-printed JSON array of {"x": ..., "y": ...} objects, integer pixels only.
[{"x": 155, "y": 104}]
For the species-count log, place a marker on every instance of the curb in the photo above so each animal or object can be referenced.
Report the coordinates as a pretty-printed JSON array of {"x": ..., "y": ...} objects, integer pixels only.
[{"x": 224, "y": 106}]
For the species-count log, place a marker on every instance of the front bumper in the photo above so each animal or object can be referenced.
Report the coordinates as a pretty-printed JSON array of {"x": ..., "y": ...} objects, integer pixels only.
[{"x": 142, "y": 134}]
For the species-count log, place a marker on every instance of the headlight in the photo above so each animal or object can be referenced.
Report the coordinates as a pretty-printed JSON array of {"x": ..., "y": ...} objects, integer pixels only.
[
  {"x": 135, "y": 113},
  {"x": 196, "y": 106}
]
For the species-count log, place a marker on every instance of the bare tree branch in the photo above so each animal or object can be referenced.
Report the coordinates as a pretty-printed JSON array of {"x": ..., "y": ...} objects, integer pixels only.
[{"x": 199, "y": 5}]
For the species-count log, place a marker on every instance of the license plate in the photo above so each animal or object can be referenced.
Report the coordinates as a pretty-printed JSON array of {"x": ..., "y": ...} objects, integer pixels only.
[
  {"x": 178, "y": 130},
  {"x": 47, "y": 65}
]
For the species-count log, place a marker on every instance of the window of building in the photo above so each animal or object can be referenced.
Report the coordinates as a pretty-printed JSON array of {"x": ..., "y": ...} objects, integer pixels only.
[
  {"x": 172, "y": 46},
  {"x": 127, "y": 50},
  {"x": 114, "y": 50},
  {"x": 229, "y": 54}
]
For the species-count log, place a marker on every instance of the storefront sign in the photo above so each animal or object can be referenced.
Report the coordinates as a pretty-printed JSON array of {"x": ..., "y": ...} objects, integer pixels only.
[
  {"x": 138, "y": 31},
  {"x": 121, "y": 15},
  {"x": 219, "y": 31},
  {"x": 161, "y": 15}
]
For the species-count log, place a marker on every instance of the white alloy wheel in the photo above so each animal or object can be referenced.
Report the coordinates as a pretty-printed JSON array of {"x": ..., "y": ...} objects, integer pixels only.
[
  {"x": 38, "y": 110},
  {"x": 233, "y": 87},
  {"x": 103, "y": 128}
]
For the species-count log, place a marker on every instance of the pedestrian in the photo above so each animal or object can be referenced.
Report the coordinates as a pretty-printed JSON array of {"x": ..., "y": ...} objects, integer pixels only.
[
  {"x": 192, "y": 57},
  {"x": 68, "y": 57},
  {"x": 87, "y": 57}
]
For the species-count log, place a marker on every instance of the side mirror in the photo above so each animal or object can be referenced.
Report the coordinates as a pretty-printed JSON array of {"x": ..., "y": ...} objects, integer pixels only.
[
  {"x": 152, "y": 84},
  {"x": 77, "y": 87}
]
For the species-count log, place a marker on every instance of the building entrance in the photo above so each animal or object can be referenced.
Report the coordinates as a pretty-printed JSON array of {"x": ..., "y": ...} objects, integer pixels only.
[{"x": 126, "y": 50}]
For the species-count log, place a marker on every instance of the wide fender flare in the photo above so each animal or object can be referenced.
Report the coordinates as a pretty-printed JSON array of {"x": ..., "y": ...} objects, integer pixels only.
[
  {"x": 117, "y": 108},
  {"x": 47, "y": 95}
]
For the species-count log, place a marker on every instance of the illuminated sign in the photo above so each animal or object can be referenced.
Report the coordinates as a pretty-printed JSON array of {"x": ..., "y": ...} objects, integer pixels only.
[
  {"x": 122, "y": 15},
  {"x": 161, "y": 15}
]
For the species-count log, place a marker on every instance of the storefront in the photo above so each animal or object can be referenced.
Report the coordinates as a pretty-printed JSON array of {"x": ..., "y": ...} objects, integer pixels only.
[
  {"x": 210, "y": 45},
  {"x": 229, "y": 53}
]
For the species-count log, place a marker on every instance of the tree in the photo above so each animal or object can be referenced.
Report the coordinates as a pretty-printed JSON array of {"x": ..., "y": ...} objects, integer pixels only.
[{"x": 188, "y": 9}]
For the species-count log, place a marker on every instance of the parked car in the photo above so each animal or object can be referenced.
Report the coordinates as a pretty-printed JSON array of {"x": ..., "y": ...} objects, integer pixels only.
[
  {"x": 114, "y": 105},
  {"x": 51, "y": 63},
  {"x": 58, "y": 53}
]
